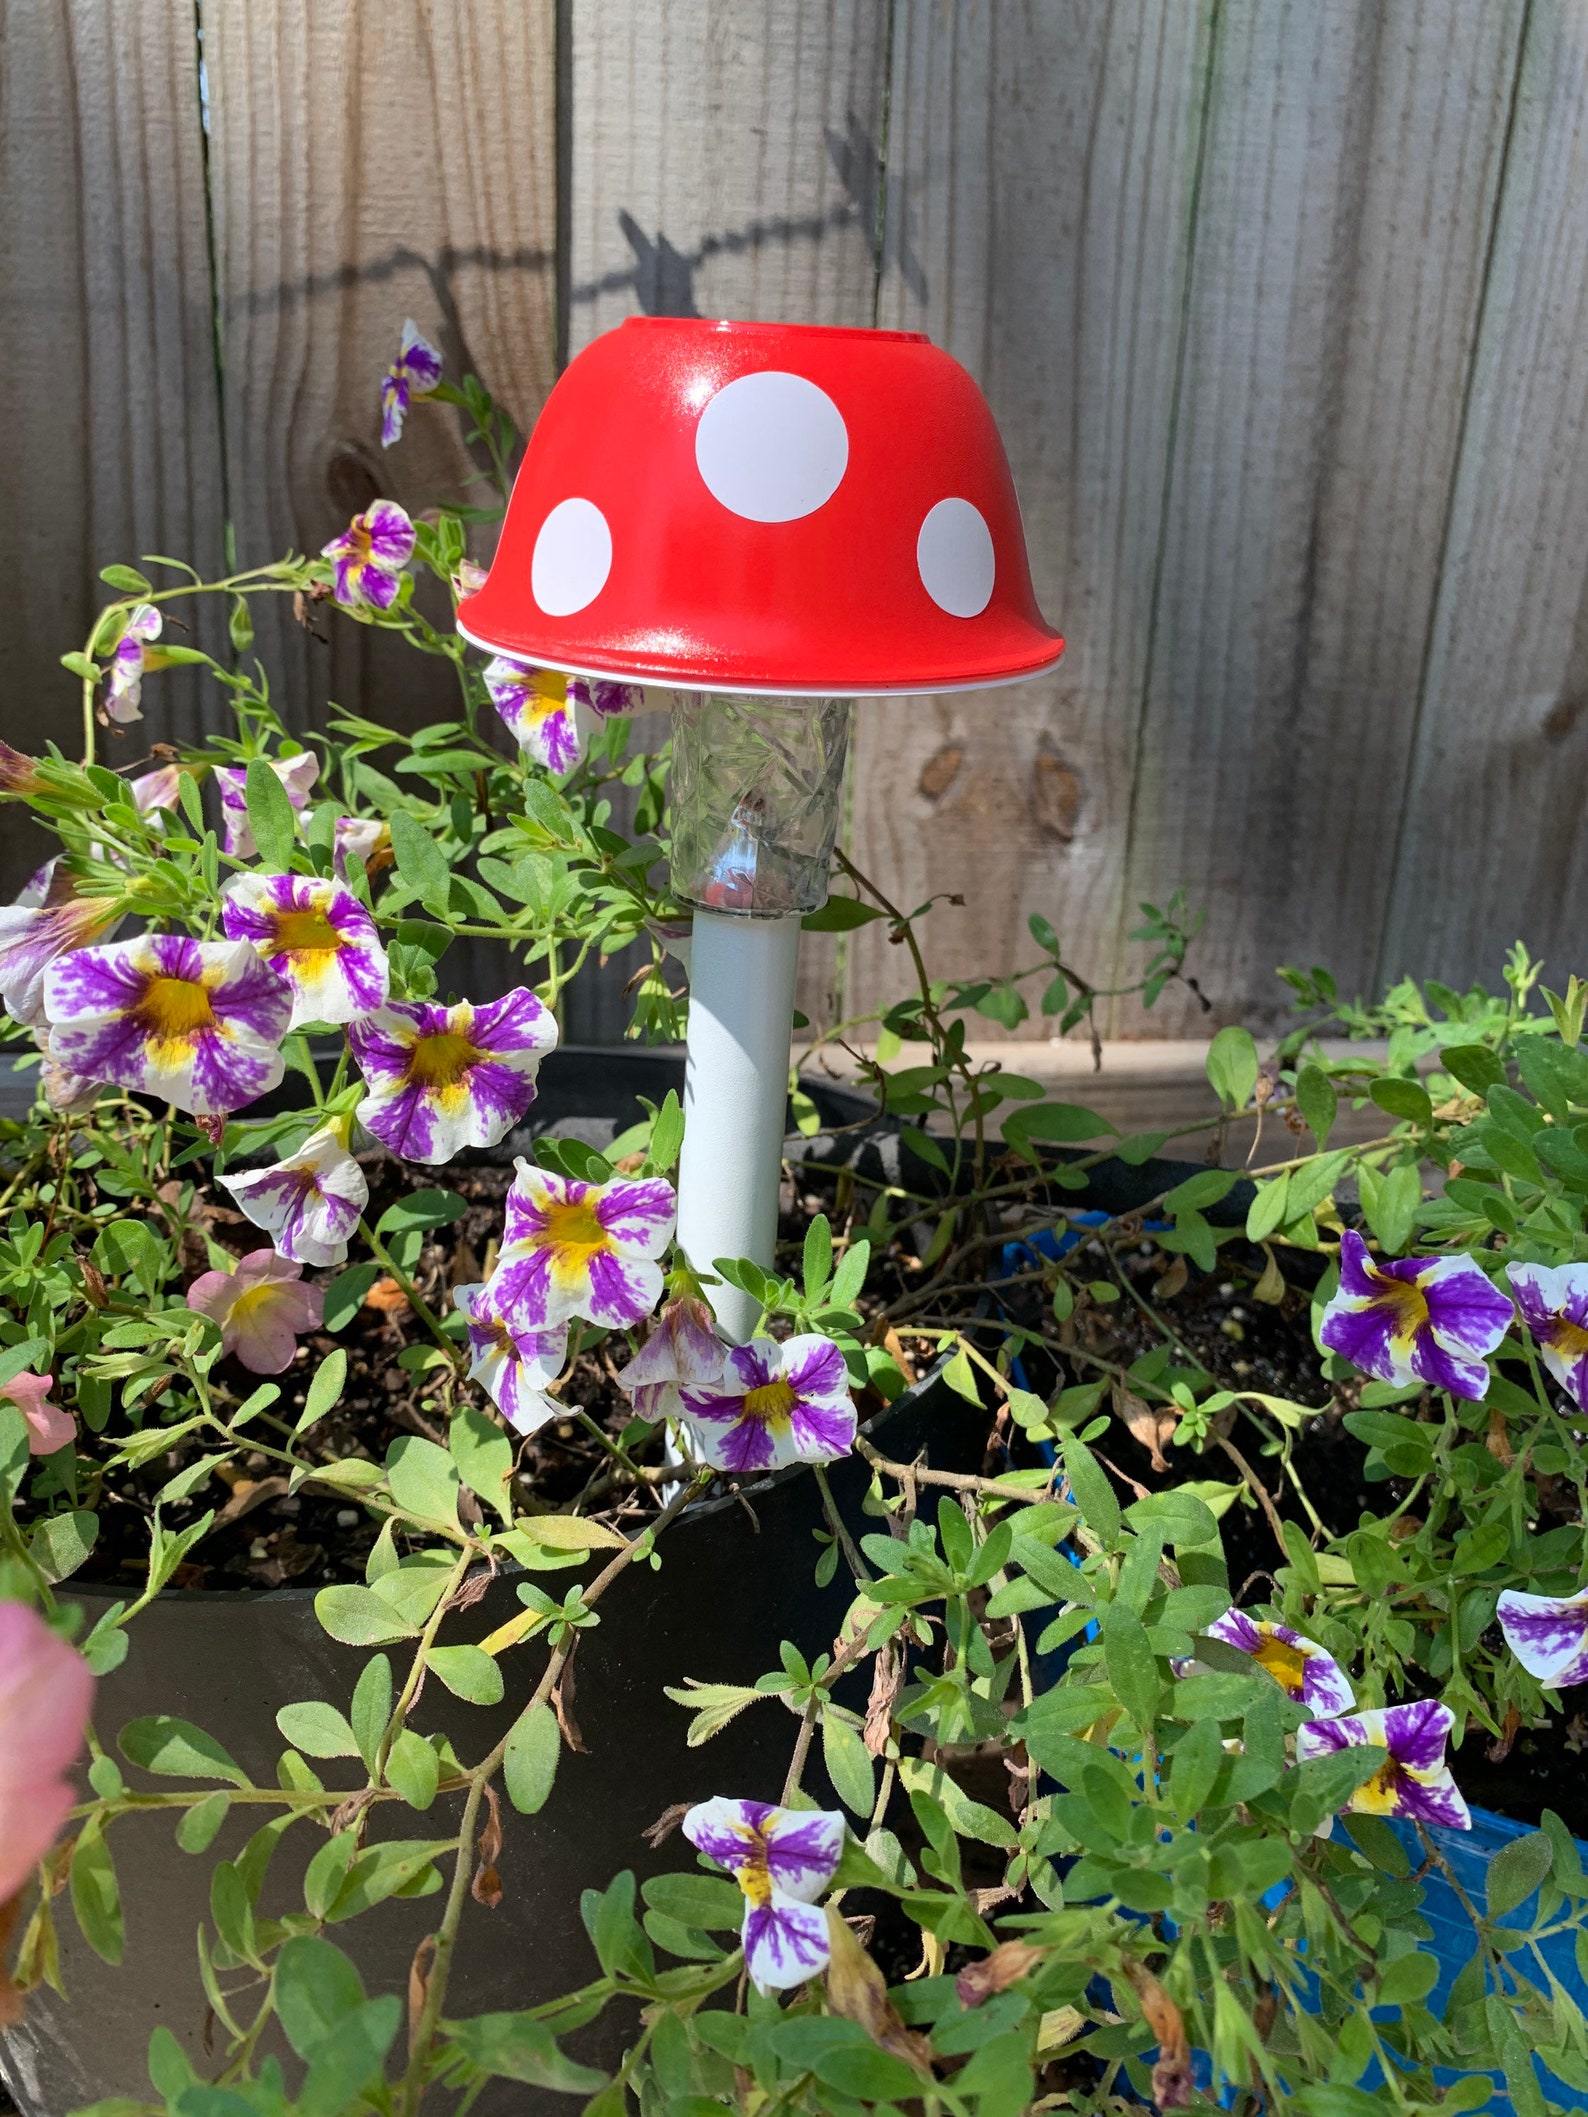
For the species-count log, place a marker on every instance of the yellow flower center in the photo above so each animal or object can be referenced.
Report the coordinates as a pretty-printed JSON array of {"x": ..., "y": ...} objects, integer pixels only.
[
  {"x": 1406, "y": 1303},
  {"x": 442, "y": 1061},
  {"x": 755, "y": 1876},
  {"x": 256, "y": 1298},
  {"x": 1286, "y": 1664},
  {"x": 306, "y": 933},
  {"x": 547, "y": 693},
  {"x": 771, "y": 1403},
  {"x": 1567, "y": 1339},
  {"x": 358, "y": 540},
  {"x": 574, "y": 1228},
  {"x": 1380, "y": 1795},
  {"x": 173, "y": 1010}
]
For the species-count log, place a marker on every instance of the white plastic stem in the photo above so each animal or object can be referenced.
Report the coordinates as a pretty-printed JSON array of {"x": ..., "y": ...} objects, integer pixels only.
[{"x": 741, "y": 1022}]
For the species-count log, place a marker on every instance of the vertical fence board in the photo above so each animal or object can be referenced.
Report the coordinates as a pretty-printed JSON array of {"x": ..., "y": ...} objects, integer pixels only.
[
  {"x": 1495, "y": 837},
  {"x": 113, "y": 444},
  {"x": 1344, "y": 218},
  {"x": 371, "y": 164},
  {"x": 726, "y": 161},
  {"x": 1041, "y": 168}
]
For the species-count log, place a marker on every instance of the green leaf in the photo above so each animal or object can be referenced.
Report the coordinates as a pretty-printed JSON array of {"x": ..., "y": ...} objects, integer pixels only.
[
  {"x": 840, "y": 915},
  {"x": 849, "y": 1763},
  {"x": 818, "y": 1256},
  {"x": 423, "y": 1480},
  {"x": 127, "y": 579},
  {"x": 1180, "y": 1517},
  {"x": 317, "y": 1729},
  {"x": 850, "y": 1276},
  {"x": 468, "y": 1672},
  {"x": 372, "y": 1695},
  {"x": 270, "y": 816},
  {"x": 196, "y": 1831},
  {"x": 529, "y": 1764},
  {"x": 349, "y": 2059},
  {"x": 316, "y": 1989},
  {"x": 96, "y": 1897},
  {"x": 1403, "y": 1099},
  {"x": 1268, "y": 1208},
  {"x": 1058, "y": 1124},
  {"x": 420, "y": 862},
  {"x": 61, "y": 1543},
  {"x": 358, "y": 1617},
  {"x": 178, "y": 1750},
  {"x": 1317, "y": 1101},
  {"x": 1232, "y": 1066},
  {"x": 1198, "y": 1760},
  {"x": 413, "y": 1769},
  {"x": 483, "y": 1455},
  {"x": 1473, "y": 1065},
  {"x": 380, "y": 1871},
  {"x": 324, "y": 1390},
  {"x": 1090, "y": 1489},
  {"x": 970, "y": 1818},
  {"x": 697, "y": 1900},
  {"x": 1131, "y": 1664},
  {"x": 1516, "y": 1871},
  {"x": 517, "y": 2047},
  {"x": 344, "y": 1297},
  {"x": 422, "y": 1209}
]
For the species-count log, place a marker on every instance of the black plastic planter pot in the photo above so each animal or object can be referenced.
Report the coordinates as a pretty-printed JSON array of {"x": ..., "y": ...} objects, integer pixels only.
[{"x": 735, "y": 1578}]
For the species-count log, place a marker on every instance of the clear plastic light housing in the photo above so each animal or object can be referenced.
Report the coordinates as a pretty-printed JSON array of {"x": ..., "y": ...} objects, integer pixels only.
[{"x": 755, "y": 790}]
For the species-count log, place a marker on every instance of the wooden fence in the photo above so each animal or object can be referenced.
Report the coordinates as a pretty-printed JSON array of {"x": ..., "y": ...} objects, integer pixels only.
[{"x": 1280, "y": 305}]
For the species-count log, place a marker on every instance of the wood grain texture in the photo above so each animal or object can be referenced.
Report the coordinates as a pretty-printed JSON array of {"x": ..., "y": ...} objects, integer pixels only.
[
  {"x": 1495, "y": 836},
  {"x": 1042, "y": 166},
  {"x": 725, "y": 161},
  {"x": 112, "y": 438},
  {"x": 370, "y": 164},
  {"x": 1342, "y": 231}
]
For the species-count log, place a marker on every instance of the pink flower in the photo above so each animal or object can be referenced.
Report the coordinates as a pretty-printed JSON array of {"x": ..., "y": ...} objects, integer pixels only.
[
  {"x": 48, "y": 1426},
  {"x": 46, "y": 1692},
  {"x": 261, "y": 1309}
]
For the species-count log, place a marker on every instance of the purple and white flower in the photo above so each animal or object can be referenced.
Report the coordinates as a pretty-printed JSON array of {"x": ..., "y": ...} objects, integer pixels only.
[
  {"x": 297, "y": 775},
  {"x": 682, "y": 1349},
  {"x": 1548, "y": 1634},
  {"x": 443, "y": 1078},
  {"x": 1421, "y": 1319},
  {"x": 159, "y": 789},
  {"x": 412, "y": 376},
  {"x": 46, "y": 922},
  {"x": 370, "y": 555},
  {"x": 365, "y": 838},
  {"x": 317, "y": 936},
  {"x": 1414, "y": 1780},
  {"x": 1554, "y": 1306},
  {"x": 197, "y": 1022},
  {"x": 775, "y": 1404},
  {"x": 124, "y": 675},
  {"x": 573, "y": 1248},
  {"x": 783, "y": 1859},
  {"x": 541, "y": 708},
  {"x": 514, "y": 1367},
  {"x": 261, "y": 1309},
  {"x": 1301, "y": 1668},
  {"x": 310, "y": 1202}
]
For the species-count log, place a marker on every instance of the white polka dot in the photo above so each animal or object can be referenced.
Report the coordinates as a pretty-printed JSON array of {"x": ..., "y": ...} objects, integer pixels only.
[
  {"x": 573, "y": 556},
  {"x": 954, "y": 556},
  {"x": 772, "y": 447}
]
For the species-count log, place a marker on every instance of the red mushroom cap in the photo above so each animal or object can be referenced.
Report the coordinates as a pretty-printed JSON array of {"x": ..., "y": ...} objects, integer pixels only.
[{"x": 765, "y": 507}]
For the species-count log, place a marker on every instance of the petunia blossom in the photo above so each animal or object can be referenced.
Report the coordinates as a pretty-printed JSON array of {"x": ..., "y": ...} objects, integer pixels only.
[
  {"x": 366, "y": 838},
  {"x": 783, "y": 1859},
  {"x": 310, "y": 1202},
  {"x": 159, "y": 789},
  {"x": 49, "y": 1427},
  {"x": 1422, "y": 1319},
  {"x": 261, "y": 1308},
  {"x": 540, "y": 708},
  {"x": 1414, "y": 1780},
  {"x": 197, "y": 1022},
  {"x": 1554, "y": 1306},
  {"x": 35, "y": 933},
  {"x": 63, "y": 1090},
  {"x": 316, "y": 935},
  {"x": 683, "y": 1348},
  {"x": 468, "y": 578},
  {"x": 370, "y": 555},
  {"x": 124, "y": 676},
  {"x": 1548, "y": 1634},
  {"x": 46, "y": 1695},
  {"x": 297, "y": 775},
  {"x": 573, "y": 1248},
  {"x": 1301, "y": 1668},
  {"x": 412, "y": 376},
  {"x": 775, "y": 1404},
  {"x": 513, "y": 1366},
  {"x": 19, "y": 773},
  {"x": 444, "y": 1078}
]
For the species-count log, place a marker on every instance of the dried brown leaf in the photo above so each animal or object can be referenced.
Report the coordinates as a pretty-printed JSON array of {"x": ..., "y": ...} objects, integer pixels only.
[
  {"x": 1007, "y": 1964},
  {"x": 857, "y": 1989},
  {"x": 1171, "y": 1282},
  {"x": 486, "y": 1887},
  {"x": 248, "y": 1494},
  {"x": 1271, "y": 1286},
  {"x": 887, "y": 1680},
  {"x": 1151, "y": 1424},
  {"x": 387, "y": 1298},
  {"x": 419, "y": 1987},
  {"x": 562, "y": 1706},
  {"x": 666, "y": 1823}
]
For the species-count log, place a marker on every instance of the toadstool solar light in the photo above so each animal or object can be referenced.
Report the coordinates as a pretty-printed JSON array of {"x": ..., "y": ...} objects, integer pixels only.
[{"x": 771, "y": 520}]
